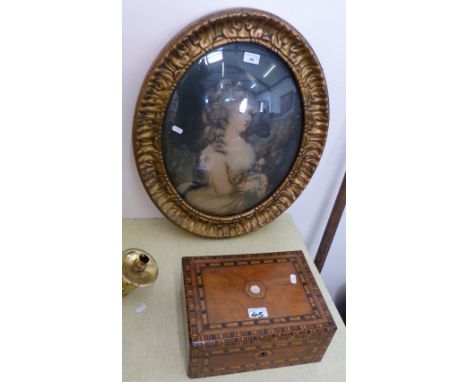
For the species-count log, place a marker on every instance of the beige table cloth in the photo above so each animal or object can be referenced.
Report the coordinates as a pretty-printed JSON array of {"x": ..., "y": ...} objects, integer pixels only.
[{"x": 153, "y": 335}]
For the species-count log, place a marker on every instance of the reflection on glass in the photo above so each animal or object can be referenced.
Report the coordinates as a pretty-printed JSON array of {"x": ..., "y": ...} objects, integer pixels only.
[{"x": 232, "y": 129}]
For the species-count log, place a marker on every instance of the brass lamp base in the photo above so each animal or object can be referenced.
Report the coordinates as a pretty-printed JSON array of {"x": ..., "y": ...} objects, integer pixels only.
[{"x": 139, "y": 269}]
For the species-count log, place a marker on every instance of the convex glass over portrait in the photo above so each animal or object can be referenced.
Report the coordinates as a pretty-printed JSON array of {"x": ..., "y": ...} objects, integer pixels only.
[{"x": 232, "y": 129}]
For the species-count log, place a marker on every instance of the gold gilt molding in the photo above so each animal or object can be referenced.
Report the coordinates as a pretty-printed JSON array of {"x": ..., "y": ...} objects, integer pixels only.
[{"x": 212, "y": 31}]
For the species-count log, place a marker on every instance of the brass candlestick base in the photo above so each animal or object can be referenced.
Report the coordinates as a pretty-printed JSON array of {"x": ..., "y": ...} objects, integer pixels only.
[{"x": 138, "y": 269}]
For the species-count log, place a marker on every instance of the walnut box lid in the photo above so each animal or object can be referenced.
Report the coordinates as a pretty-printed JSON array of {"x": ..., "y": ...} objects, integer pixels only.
[{"x": 241, "y": 301}]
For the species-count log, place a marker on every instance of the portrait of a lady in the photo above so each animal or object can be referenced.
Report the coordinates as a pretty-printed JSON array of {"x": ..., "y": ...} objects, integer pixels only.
[
  {"x": 230, "y": 136},
  {"x": 234, "y": 179}
]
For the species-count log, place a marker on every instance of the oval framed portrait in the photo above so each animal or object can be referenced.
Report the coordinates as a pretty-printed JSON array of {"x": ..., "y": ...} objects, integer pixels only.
[{"x": 230, "y": 123}]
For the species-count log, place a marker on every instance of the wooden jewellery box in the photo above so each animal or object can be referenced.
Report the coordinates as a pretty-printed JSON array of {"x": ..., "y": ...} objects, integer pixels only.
[{"x": 249, "y": 312}]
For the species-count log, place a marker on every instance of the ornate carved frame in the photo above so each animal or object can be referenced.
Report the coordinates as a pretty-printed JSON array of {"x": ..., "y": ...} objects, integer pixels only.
[{"x": 212, "y": 31}]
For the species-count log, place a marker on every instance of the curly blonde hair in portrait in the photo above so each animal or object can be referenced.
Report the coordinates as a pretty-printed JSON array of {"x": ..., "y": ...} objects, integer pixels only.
[{"x": 215, "y": 116}]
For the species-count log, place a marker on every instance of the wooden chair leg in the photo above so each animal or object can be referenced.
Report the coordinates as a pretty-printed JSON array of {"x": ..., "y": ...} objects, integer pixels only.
[{"x": 331, "y": 227}]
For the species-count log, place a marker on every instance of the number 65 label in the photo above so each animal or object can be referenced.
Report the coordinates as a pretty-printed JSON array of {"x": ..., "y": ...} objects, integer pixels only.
[{"x": 257, "y": 313}]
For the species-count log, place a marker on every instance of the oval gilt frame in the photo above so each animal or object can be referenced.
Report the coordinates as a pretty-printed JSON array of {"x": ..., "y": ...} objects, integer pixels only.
[{"x": 212, "y": 31}]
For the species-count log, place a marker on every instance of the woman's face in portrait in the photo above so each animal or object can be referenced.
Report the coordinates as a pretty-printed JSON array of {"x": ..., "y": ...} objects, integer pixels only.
[{"x": 240, "y": 114}]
